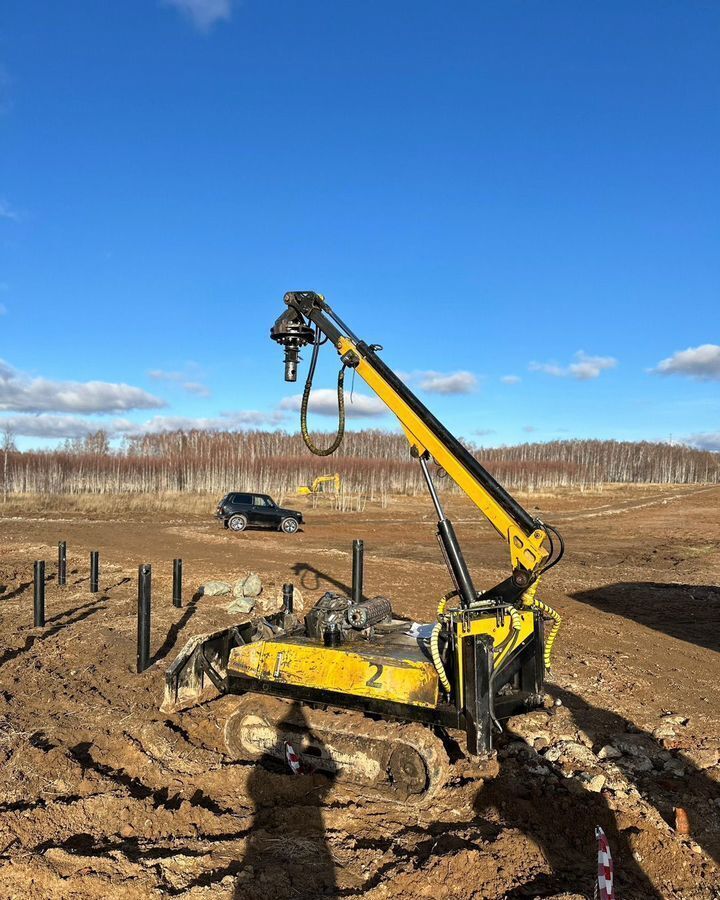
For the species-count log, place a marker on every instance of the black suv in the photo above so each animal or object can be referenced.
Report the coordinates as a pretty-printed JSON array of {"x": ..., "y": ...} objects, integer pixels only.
[{"x": 237, "y": 511}]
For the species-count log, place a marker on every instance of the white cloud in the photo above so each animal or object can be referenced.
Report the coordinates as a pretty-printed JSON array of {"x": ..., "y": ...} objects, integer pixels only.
[
  {"x": 460, "y": 382},
  {"x": 511, "y": 379},
  {"x": 203, "y": 13},
  {"x": 50, "y": 426},
  {"x": 706, "y": 441},
  {"x": 47, "y": 425},
  {"x": 452, "y": 383},
  {"x": 483, "y": 432},
  {"x": 226, "y": 421},
  {"x": 548, "y": 369},
  {"x": 588, "y": 367},
  {"x": 162, "y": 375},
  {"x": 585, "y": 367},
  {"x": 530, "y": 429},
  {"x": 184, "y": 379},
  {"x": 195, "y": 387},
  {"x": 702, "y": 363},
  {"x": 21, "y": 393},
  {"x": 7, "y": 212},
  {"x": 323, "y": 402}
]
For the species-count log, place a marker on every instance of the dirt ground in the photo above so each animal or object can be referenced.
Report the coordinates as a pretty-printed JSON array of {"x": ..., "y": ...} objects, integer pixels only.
[{"x": 103, "y": 796}]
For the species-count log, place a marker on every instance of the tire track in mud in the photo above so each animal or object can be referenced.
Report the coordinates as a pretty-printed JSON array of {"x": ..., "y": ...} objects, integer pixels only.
[
  {"x": 631, "y": 507},
  {"x": 87, "y": 822},
  {"x": 391, "y": 847},
  {"x": 190, "y": 826},
  {"x": 32, "y": 639}
]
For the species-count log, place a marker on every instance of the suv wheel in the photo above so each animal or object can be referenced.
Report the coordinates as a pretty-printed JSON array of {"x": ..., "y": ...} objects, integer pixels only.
[
  {"x": 289, "y": 525},
  {"x": 237, "y": 523}
]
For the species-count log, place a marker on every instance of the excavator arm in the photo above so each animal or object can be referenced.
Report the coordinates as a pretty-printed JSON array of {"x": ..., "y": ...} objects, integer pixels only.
[
  {"x": 528, "y": 539},
  {"x": 318, "y": 482}
]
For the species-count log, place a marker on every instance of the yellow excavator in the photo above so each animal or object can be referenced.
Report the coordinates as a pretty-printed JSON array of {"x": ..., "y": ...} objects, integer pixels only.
[
  {"x": 356, "y": 690},
  {"x": 319, "y": 485}
]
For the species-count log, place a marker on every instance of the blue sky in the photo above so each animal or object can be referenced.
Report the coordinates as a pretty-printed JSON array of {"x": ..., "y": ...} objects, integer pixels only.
[{"x": 519, "y": 200}]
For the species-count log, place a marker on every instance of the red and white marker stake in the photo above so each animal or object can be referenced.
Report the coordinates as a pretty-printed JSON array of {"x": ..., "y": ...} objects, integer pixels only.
[
  {"x": 293, "y": 760},
  {"x": 605, "y": 880}
]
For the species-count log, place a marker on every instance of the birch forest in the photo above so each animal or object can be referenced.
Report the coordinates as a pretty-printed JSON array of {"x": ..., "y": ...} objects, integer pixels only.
[{"x": 374, "y": 464}]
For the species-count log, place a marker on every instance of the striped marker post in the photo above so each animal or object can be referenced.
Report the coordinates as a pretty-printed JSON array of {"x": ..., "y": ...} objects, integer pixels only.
[
  {"x": 605, "y": 889},
  {"x": 293, "y": 760}
]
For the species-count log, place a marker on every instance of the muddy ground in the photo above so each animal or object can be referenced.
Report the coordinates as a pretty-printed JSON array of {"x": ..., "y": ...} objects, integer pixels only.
[{"x": 103, "y": 796}]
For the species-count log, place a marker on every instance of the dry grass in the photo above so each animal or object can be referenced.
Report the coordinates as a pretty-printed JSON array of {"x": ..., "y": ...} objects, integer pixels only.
[
  {"x": 108, "y": 504},
  {"x": 202, "y": 505}
]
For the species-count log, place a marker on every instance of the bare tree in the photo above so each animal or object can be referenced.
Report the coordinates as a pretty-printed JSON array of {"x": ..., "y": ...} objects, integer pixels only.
[
  {"x": 97, "y": 443},
  {"x": 373, "y": 464},
  {"x": 8, "y": 446}
]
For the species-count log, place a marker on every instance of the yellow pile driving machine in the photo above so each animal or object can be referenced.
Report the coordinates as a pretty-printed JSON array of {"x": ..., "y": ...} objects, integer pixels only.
[{"x": 355, "y": 689}]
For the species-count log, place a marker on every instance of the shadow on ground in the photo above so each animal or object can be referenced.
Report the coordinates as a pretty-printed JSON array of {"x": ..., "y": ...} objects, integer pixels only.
[
  {"x": 312, "y": 578},
  {"x": 688, "y": 612},
  {"x": 562, "y": 823},
  {"x": 665, "y": 792},
  {"x": 42, "y": 635},
  {"x": 174, "y": 631},
  {"x": 287, "y": 854}
]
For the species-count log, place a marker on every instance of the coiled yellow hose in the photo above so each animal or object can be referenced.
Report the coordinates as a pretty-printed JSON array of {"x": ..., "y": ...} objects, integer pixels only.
[
  {"x": 435, "y": 643},
  {"x": 508, "y": 645},
  {"x": 515, "y": 618},
  {"x": 529, "y": 599}
]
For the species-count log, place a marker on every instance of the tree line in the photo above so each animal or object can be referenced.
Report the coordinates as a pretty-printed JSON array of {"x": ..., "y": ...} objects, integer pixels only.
[{"x": 373, "y": 463}]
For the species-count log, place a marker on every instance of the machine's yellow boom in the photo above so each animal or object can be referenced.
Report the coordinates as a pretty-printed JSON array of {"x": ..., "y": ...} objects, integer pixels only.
[
  {"x": 528, "y": 539},
  {"x": 526, "y": 550}
]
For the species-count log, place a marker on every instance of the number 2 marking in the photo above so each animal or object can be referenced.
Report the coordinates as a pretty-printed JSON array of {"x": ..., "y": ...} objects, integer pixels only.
[{"x": 373, "y": 680}]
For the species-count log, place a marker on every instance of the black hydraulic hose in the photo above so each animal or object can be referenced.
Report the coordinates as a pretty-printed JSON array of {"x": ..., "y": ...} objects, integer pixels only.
[
  {"x": 561, "y": 551},
  {"x": 312, "y": 447},
  {"x": 512, "y": 639},
  {"x": 552, "y": 544}
]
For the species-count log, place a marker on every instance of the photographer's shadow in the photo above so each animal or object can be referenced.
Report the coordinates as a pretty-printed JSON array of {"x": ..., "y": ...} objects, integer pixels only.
[{"x": 287, "y": 853}]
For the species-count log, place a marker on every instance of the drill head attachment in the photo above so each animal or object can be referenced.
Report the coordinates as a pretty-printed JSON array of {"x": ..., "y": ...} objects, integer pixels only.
[{"x": 293, "y": 333}]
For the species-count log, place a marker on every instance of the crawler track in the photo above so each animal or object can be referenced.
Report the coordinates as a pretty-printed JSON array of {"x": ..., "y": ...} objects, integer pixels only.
[{"x": 398, "y": 761}]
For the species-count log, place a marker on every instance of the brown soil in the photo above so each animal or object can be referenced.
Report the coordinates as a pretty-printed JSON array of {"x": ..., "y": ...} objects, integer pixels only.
[{"x": 103, "y": 796}]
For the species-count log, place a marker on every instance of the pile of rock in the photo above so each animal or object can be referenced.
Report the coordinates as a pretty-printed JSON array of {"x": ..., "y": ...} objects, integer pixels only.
[
  {"x": 250, "y": 595},
  {"x": 246, "y": 592},
  {"x": 552, "y": 747}
]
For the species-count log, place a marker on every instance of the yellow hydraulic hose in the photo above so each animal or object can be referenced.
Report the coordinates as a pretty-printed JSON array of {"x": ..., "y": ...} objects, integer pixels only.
[
  {"x": 508, "y": 645},
  {"x": 529, "y": 599},
  {"x": 515, "y": 618},
  {"x": 435, "y": 643}
]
